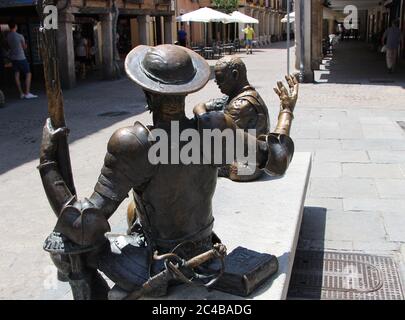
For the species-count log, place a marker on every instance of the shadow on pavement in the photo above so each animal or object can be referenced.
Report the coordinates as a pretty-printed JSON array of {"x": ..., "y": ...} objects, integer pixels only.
[
  {"x": 89, "y": 108},
  {"x": 356, "y": 62},
  {"x": 312, "y": 235}
]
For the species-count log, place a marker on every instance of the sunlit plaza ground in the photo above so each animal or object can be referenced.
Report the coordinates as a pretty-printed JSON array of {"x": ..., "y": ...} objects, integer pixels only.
[{"x": 350, "y": 120}]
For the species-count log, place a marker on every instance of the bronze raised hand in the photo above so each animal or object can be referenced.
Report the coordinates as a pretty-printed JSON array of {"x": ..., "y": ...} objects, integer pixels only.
[{"x": 288, "y": 99}]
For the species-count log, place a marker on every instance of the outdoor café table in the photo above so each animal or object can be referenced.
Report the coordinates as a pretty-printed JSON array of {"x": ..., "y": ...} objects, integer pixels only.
[
  {"x": 208, "y": 52},
  {"x": 229, "y": 47}
]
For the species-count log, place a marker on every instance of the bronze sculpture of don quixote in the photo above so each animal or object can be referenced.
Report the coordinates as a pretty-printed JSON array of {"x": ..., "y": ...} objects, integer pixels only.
[{"x": 170, "y": 239}]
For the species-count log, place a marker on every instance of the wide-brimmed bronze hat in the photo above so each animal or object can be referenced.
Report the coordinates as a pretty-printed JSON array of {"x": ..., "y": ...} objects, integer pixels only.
[{"x": 167, "y": 69}]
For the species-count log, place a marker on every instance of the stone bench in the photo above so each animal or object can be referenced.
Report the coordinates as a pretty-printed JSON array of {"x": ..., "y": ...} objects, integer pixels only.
[{"x": 264, "y": 216}]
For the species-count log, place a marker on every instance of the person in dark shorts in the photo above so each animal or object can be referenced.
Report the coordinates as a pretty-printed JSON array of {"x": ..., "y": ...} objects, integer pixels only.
[
  {"x": 82, "y": 56},
  {"x": 182, "y": 36},
  {"x": 17, "y": 44}
]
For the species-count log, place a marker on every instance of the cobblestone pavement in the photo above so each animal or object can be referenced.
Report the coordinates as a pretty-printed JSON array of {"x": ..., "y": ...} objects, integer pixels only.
[{"x": 355, "y": 198}]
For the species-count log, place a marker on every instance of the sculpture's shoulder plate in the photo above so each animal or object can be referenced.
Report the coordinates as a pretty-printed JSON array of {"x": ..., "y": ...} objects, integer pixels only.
[
  {"x": 214, "y": 120},
  {"x": 249, "y": 111},
  {"x": 126, "y": 164},
  {"x": 129, "y": 140},
  {"x": 248, "y": 97}
]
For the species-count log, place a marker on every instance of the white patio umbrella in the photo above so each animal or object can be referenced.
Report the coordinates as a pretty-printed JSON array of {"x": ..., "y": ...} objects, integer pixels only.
[
  {"x": 243, "y": 18},
  {"x": 205, "y": 15},
  {"x": 292, "y": 18}
]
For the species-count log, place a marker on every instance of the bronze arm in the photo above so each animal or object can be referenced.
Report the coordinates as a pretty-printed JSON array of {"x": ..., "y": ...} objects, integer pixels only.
[
  {"x": 288, "y": 99},
  {"x": 285, "y": 118},
  {"x": 56, "y": 189}
]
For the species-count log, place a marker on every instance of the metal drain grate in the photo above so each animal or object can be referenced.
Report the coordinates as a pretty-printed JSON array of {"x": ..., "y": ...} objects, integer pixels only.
[
  {"x": 401, "y": 124},
  {"x": 113, "y": 114},
  {"x": 344, "y": 276}
]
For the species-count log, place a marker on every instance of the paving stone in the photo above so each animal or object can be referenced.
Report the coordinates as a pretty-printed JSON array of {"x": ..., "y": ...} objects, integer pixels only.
[
  {"x": 383, "y": 131},
  {"x": 329, "y": 133},
  {"x": 354, "y": 226},
  {"x": 373, "y": 204},
  {"x": 394, "y": 225},
  {"x": 351, "y": 131},
  {"x": 398, "y": 147},
  {"x": 371, "y": 170},
  {"x": 402, "y": 166},
  {"x": 328, "y": 203},
  {"x": 324, "y": 188},
  {"x": 332, "y": 115},
  {"x": 342, "y": 188},
  {"x": 369, "y": 144},
  {"x": 377, "y": 121},
  {"x": 326, "y": 170},
  {"x": 357, "y": 188},
  {"x": 391, "y": 188},
  {"x": 301, "y": 132},
  {"x": 320, "y": 245},
  {"x": 328, "y": 124},
  {"x": 316, "y": 144},
  {"x": 376, "y": 247},
  {"x": 341, "y": 156},
  {"x": 387, "y": 157},
  {"x": 338, "y": 245}
]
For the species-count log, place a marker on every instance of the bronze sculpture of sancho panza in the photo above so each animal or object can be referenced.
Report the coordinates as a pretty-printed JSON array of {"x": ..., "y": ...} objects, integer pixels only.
[
  {"x": 242, "y": 103},
  {"x": 173, "y": 202}
]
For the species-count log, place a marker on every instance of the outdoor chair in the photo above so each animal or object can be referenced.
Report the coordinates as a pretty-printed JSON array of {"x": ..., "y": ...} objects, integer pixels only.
[
  {"x": 208, "y": 52},
  {"x": 218, "y": 51},
  {"x": 228, "y": 47},
  {"x": 236, "y": 45}
]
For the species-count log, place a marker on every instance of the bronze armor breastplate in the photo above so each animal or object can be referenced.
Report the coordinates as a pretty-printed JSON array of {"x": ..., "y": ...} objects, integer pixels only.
[{"x": 262, "y": 121}]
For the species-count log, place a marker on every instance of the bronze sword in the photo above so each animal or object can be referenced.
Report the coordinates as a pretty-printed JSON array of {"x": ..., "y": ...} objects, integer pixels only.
[{"x": 219, "y": 251}]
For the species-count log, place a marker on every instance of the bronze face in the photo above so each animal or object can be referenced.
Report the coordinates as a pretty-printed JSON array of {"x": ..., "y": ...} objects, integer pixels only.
[
  {"x": 225, "y": 80},
  {"x": 230, "y": 75}
]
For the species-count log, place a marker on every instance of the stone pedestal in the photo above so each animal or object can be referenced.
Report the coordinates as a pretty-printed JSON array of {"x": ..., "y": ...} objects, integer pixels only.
[{"x": 66, "y": 53}]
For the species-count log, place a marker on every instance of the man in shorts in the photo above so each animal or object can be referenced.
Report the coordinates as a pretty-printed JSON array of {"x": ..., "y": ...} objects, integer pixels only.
[
  {"x": 250, "y": 33},
  {"x": 16, "y": 43}
]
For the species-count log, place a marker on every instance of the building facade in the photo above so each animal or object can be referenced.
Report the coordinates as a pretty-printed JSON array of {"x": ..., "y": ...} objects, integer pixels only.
[
  {"x": 268, "y": 12},
  {"x": 147, "y": 22},
  {"x": 317, "y": 19}
]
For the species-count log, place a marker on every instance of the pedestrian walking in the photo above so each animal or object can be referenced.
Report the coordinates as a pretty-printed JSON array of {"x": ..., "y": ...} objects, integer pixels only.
[
  {"x": 249, "y": 34},
  {"x": 82, "y": 56},
  {"x": 17, "y": 45},
  {"x": 392, "y": 39},
  {"x": 182, "y": 36}
]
